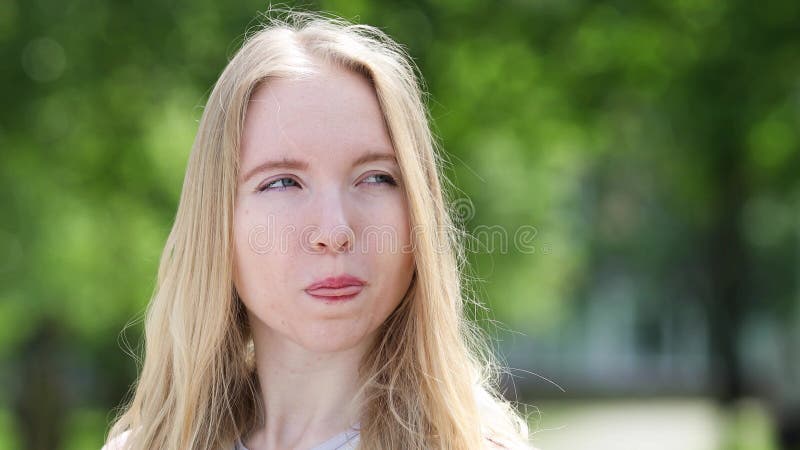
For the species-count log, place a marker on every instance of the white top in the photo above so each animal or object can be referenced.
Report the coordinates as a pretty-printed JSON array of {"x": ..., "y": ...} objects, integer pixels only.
[{"x": 346, "y": 440}]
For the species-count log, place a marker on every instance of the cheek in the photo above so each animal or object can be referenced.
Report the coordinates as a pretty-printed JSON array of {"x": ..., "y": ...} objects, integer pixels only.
[
  {"x": 391, "y": 253},
  {"x": 264, "y": 229},
  {"x": 383, "y": 225},
  {"x": 261, "y": 265}
]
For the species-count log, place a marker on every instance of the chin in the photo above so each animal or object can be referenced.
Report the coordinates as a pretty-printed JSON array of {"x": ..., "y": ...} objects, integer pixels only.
[{"x": 328, "y": 341}]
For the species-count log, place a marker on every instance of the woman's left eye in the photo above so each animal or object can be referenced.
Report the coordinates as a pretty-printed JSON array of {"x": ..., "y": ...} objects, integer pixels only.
[{"x": 382, "y": 178}]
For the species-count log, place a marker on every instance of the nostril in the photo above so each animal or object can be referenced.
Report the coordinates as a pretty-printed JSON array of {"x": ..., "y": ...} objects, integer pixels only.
[{"x": 338, "y": 239}]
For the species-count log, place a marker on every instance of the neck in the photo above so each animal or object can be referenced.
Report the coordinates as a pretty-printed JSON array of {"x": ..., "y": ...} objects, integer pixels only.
[{"x": 308, "y": 396}]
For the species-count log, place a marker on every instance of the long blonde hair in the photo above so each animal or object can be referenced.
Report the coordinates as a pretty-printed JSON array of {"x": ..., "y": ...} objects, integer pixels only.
[{"x": 429, "y": 382}]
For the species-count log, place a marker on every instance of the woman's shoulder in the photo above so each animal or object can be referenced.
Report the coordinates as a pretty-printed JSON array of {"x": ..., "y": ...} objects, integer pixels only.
[
  {"x": 497, "y": 444},
  {"x": 117, "y": 442}
]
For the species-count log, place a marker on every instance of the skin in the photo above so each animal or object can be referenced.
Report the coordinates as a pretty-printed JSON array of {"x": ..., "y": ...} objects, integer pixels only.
[{"x": 308, "y": 351}]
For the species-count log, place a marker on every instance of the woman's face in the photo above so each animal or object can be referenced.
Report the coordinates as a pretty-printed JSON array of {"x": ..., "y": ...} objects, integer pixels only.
[{"x": 319, "y": 195}]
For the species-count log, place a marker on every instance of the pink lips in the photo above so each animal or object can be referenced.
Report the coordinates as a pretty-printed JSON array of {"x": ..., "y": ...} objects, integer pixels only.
[{"x": 343, "y": 287}]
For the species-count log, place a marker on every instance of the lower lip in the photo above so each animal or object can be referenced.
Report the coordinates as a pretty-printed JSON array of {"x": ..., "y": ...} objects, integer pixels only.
[{"x": 336, "y": 295}]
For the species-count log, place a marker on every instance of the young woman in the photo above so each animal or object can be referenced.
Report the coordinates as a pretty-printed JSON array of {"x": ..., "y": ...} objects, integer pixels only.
[{"x": 309, "y": 293}]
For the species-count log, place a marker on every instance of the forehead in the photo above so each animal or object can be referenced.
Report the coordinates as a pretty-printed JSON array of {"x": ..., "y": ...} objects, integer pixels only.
[{"x": 329, "y": 114}]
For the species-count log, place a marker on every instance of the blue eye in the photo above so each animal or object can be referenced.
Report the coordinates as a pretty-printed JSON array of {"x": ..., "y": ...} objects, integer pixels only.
[
  {"x": 388, "y": 179},
  {"x": 283, "y": 181},
  {"x": 282, "y": 184}
]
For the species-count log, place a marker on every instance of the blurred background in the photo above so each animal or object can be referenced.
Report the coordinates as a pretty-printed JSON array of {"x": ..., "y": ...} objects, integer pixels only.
[{"x": 650, "y": 151}]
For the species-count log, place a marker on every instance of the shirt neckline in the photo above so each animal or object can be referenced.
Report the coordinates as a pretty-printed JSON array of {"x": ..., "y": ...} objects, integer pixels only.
[{"x": 341, "y": 439}]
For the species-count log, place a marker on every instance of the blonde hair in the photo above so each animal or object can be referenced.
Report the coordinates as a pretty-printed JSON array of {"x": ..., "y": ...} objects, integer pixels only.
[{"x": 429, "y": 382}]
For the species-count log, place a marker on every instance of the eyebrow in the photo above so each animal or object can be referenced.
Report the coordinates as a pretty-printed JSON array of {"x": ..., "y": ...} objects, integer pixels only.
[{"x": 296, "y": 164}]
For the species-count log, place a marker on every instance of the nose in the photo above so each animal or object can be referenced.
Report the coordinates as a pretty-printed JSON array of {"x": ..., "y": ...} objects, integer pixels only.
[{"x": 330, "y": 231}]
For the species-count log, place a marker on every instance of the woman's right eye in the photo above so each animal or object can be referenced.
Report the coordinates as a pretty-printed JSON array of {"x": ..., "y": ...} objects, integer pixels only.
[{"x": 280, "y": 184}]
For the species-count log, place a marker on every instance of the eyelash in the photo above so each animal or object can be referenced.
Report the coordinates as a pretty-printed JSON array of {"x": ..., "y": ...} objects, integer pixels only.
[{"x": 389, "y": 180}]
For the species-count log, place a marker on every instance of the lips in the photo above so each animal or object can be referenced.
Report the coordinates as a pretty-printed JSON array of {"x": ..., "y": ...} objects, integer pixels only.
[{"x": 343, "y": 286}]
